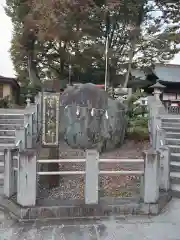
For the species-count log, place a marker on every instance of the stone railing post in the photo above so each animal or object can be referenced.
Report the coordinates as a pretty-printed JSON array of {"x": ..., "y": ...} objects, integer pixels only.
[
  {"x": 34, "y": 124},
  {"x": 164, "y": 168},
  {"x": 9, "y": 187},
  {"x": 151, "y": 176},
  {"x": 28, "y": 119},
  {"x": 26, "y": 187},
  {"x": 38, "y": 102},
  {"x": 92, "y": 177},
  {"x": 160, "y": 138},
  {"x": 156, "y": 108},
  {"x": 28, "y": 100},
  {"x": 156, "y": 127},
  {"x": 20, "y": 135}
]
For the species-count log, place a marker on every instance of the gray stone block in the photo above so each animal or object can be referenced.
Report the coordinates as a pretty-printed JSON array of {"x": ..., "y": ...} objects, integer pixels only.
[{"x": 154, "y": 209}]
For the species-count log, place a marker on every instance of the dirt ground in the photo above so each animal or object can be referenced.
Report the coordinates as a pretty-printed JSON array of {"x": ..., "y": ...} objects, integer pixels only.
[{"x": 130, "y": 149}]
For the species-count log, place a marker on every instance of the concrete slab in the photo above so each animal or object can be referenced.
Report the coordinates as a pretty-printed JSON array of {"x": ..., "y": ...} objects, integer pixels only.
[{"x": 166, "y": 226}]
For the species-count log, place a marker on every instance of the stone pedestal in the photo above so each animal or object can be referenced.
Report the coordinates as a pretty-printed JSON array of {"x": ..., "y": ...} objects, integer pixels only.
[
  {"x": 92, "y": 177},
  {"x": 9, "y": 188},
  {"x": 165, "y": 168},
  {"x": 26, "y": 189},
  {"x": 151, "y": 176},
  {"x": 28, "y": 120}
]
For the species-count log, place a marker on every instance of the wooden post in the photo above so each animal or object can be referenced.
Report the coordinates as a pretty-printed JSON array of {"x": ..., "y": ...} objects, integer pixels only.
[
  {"x": 92, "y": 177},
  {"x": 151, "y": 176},
  {"x": 165, "y": 168},
  {"x": 9, "y": 189},
  {"x": 26, "y": 189}
]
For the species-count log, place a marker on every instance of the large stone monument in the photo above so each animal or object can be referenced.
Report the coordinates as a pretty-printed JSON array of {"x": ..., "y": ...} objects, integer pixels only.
[{"x": 90, "y": 118}]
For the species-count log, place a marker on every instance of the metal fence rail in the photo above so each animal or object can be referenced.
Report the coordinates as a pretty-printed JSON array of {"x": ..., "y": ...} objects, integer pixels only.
[
  {"x": 91, "y": 173},
  {"x": 109, "y": 172},
  {"x": 105, "y": 160},
  {"x": 173, "y": 110}
]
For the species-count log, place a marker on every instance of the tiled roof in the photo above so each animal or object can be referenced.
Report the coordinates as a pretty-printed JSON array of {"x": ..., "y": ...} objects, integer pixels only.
[
  {"x": 12, "y": 81},
  {"x": 165, "y": 73},
  {"x": 168, "y": 73},
  {"x": 137, "y": 73}
]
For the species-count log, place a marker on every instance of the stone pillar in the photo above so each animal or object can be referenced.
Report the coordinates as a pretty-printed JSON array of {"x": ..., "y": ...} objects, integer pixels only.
[
  {"x": 92, "y": 177},
  {"x": 151, "y": 176},
  {"x": 160, "y": 138},
  {"x": 26, "y": 189},
  {"x": 39, "y": 110},
  {"x": 158, "y": 89},
  {"x": 38, "y": 100},
  {"x": 157, "y": 131},
  {"x": 9, "y": 189},
  {"x": 28, "y": 119},
  {"x": 20, "y": 136},
  {"x": 28, "y": 100},
  {"x": 142, "y": 187},
  {"x": 157, "y": 128},
  {"x": 165, "y": 168}
]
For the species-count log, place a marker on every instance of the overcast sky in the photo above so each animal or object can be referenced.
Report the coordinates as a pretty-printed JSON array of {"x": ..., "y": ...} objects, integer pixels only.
[{"x": 6, "y": 66}]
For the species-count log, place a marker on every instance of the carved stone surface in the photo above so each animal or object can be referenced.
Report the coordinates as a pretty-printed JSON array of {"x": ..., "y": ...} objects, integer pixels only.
[
  {"x": 89, "y": 118},
  {"x": 50, "y": 119}
]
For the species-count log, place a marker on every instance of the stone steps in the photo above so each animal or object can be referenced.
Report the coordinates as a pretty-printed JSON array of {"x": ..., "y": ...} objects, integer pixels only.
[
  {"x": 12, "y": 114},
  {"x": 175, "y": 190},
  {"x": 175, "y": 187},
  {"x": 11, "y": 121},
  {"x": 7, "y": 139},
  {"x": 171, "y": 125},
  {"x": 171, "y": 119},
  {"x": 1, "y": 172},
  {"x": 174, "y": 148},
  {"x": 177, "y": 155},
  {"x": 171, "y": 129},
  {"x": 172, "y": 141},
  {"x": 175, "y": 175},
  {"x": 174, "y": 125},
  {"x": 175, "y": 164},
  {"x": 1, "y": 167},
  {"x": 8, "y": 125},
  {"x": 7, "y": 132},
  {"x": 173, "y": 135},
  {"x": 1, "y": 179},
  {"x": 6, "y": 145}
]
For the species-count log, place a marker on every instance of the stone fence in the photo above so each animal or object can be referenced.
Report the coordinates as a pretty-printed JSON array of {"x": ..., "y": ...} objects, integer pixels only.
[{"x": 155, "y": 176}]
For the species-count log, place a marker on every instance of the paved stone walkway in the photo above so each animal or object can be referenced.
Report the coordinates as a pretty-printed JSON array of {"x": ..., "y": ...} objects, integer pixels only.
[{"x": 166, "y": 226}]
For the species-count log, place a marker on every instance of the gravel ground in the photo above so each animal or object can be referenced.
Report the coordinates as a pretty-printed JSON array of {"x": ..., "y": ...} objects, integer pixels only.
[
  {"x": 130, "y": 149},
  {"x": 72, "y": 187}
]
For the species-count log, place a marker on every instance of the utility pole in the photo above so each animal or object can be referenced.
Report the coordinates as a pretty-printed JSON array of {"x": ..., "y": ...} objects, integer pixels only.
[
  {"x": 106, "y": 63},
  {"x": 70, "y": 70},
  {"x": 107, "y": 20}
]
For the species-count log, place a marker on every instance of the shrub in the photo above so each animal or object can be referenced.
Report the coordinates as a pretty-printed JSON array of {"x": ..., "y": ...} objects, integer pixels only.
[
  {"x": 5, "y": 102},
  {"x": 137, "y": 116}
]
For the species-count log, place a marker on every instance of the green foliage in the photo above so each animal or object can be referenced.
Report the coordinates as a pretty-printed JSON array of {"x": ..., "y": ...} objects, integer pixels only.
[
  {"x": 25, "y": 90},
  {"x": 54, "y": 34},
  {"x": 138, "y": 128},
  {"x": 5, "y": 102},
  {"x": 137, "y": 118},
  {"x": 135, "y": 109}
]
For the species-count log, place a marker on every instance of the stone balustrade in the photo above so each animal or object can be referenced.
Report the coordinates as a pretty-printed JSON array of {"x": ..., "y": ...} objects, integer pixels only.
[
  {"x": 27, "y": 135},
  {"x": 154, "y": 177}
]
